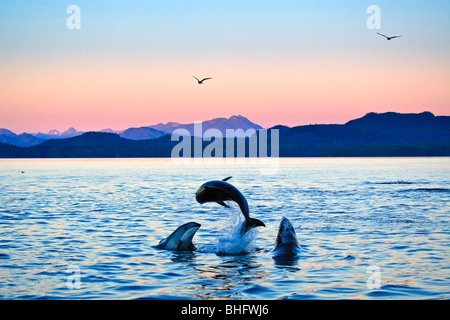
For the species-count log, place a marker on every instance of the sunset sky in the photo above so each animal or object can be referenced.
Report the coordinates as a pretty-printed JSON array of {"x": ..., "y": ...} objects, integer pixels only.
[{"x": 274, "y": 62}]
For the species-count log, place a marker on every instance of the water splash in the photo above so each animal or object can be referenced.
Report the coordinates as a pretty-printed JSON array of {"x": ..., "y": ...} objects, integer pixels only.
[
  {"x": 235, "y": 243},
  {"x": 231, "y": 241}
]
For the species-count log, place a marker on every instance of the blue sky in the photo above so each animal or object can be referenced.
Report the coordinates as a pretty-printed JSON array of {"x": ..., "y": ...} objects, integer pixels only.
[{"x": 210, "y": 27}]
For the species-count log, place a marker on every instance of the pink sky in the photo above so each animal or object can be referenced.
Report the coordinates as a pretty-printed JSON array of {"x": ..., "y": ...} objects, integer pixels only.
[{"x": 106, "y": 94}]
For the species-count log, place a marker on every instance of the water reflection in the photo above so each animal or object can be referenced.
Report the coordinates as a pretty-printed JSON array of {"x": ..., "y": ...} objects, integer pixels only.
[
  {"x": 183, "y": 256},
  {"x": 230, "y": 277},
  {"x": 286, "y": 260}
]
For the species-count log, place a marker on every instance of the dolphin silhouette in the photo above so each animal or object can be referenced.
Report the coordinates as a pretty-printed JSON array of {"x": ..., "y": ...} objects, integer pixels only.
[
  {"x": 220, "y": 191},
  {"x": 181, "y": 238},
  {"x": 286, "y": 242}
]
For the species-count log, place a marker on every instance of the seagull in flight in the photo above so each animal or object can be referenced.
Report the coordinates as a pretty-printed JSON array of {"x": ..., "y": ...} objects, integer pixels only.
[
  {"x": 388, "y": 38},
  {"x": 201, "y": 81}
]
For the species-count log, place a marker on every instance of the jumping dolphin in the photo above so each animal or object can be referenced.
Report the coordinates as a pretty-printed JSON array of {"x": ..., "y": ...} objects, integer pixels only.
[
  {"x": 286, "y": 242},
  {"x": 181, "y": 238},
  {"x": 220, "y": 191}
]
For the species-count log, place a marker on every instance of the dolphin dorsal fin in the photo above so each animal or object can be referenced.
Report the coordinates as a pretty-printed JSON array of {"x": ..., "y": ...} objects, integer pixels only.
[{"x": 227, "y": 178}]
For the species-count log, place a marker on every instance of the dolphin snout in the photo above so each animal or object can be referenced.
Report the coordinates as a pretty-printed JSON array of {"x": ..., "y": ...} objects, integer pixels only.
[{"x": 199, "y": 195}]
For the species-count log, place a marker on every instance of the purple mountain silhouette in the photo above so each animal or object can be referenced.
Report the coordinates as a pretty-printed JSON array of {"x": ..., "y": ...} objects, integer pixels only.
[
  {"x": 6, "y": 132},
  {"x": 71, "y": 132},
  {"x": 20, "y": 140},
  {"x": 221, "y": 124},
  {"x": 385, "y": 134},
  {"x": 142, "y": 133}
]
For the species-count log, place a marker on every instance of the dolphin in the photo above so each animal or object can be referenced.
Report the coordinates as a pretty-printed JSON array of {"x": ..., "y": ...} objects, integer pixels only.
[
  {"x": 286, "y": 242},
  {"x": 220, "y": 191},
  {"x": 181, "y": 238}
]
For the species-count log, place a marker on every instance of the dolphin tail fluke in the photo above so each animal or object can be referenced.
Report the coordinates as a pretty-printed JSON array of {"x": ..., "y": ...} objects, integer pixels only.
[{"x": 252, "y": 223}]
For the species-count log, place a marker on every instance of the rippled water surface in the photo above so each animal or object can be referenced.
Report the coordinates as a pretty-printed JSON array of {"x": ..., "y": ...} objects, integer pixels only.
[{"x": 98, "y": 219}]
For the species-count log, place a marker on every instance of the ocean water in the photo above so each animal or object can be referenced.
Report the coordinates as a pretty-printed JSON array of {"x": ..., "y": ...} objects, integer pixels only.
[{"x": 369, "y": 228}]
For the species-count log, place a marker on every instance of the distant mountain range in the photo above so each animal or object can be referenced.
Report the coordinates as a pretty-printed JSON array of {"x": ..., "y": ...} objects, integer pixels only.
[
  {"x": 221, "y": 124},
  {"x": 20, "y": 140},
  {"x": 141, "y": 133},
  {"x": 385, "y": 134}
]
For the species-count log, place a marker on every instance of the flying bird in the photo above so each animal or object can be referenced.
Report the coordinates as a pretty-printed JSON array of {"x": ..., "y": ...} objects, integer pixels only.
[
  {"x": 388, "y": 38},
  {"x": 201, "y": 81}
]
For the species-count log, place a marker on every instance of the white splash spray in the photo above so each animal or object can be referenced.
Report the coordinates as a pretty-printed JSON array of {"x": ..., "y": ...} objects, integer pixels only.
[{"x": 232, "y": 242}]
